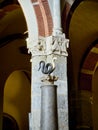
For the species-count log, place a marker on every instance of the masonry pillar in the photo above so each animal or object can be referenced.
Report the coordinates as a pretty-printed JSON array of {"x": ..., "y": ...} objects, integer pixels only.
[
  {"x": 46, "y": 48},
  {"x": 56, "y": 17},
  {"x": 53, "y": 46},
  {"x": 59, "y": 48}
]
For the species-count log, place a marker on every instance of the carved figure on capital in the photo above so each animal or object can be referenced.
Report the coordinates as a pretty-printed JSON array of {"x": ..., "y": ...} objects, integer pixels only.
[
  {"x": 38, "y": 47},
  {"x": 49, "y": 45},
  {"x": 60, "y": 45}
]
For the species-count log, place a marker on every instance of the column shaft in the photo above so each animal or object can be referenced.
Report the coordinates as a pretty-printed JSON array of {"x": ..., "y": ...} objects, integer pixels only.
[
  {"x": 49, "y": 119},
  {"x": 56, "y": 17}
]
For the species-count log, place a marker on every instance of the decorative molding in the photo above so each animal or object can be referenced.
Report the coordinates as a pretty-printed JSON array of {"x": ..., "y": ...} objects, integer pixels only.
[{"x": 48, "y": 45}]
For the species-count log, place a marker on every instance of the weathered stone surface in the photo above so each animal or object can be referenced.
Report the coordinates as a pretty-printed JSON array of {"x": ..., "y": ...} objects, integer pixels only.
[
  {"x": 63, "y": 119},
  {"x": 36, "y": 102},
  {"x": 62, "y": 97},
  {"x": 49, "y": 117},
  {"x": 36, "y": 120}
]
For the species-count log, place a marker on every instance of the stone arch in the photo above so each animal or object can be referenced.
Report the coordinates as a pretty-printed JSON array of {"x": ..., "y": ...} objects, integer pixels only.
[
  {"x": 86, "y": 87},
  {"x": 10, "y": 62},
  {"x": 9, "y": 122},
  {"x": 18, "y": 97},
  {"x": 39, "y": 14},
  {"x": 44, "y": 18},
  {"x": 88, "y": 68}
]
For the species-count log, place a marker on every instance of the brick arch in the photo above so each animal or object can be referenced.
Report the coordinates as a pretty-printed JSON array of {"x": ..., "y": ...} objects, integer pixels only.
[
  {"x": 44, "y": 17},
  {"x": 64, "y": 16},
  {"x": 7, "y": 9},
  {"x": 88, "y": 68}
]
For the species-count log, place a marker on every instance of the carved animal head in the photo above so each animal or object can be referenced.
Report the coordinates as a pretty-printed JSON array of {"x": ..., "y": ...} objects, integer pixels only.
[{"x": 53, "y": 61}]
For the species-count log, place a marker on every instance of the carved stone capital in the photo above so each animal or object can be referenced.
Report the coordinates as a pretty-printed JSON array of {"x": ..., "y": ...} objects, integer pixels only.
[
  {"x": 57, "y": 45},
  {"x": 37, "y": 47},
  {"x": 49, "y": 45}
]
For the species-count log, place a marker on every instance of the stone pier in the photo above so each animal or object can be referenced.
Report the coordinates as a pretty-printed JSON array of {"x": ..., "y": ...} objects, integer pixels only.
[
  {"x": 59, "y": 51},
  {"x": 45, "y": 49}
]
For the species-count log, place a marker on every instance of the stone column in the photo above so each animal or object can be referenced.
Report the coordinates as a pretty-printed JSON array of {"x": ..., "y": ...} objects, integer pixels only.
[
  {"x": 53, "y": 46},
  {"x": 57, "y": 47},
  {"x": 49, "y": 118},
  {"x": 45, "y": 48},
  {"x": 38, "y": 54},
  {"x": 56, "y": 17},
  {"x": 50, "y": 47}
]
